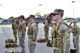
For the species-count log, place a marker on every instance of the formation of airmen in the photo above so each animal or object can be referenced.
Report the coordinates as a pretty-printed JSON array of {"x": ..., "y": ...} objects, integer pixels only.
[{"x": 60, "y": 32}]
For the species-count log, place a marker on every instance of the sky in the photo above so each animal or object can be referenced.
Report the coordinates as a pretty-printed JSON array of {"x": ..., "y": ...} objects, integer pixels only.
[{"x": 26, "y": 7}]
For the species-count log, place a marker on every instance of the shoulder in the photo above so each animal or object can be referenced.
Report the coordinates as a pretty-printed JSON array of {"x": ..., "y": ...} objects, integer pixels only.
[
  {"x": 65, "y": 27},
  {"x": 24, "y": 22},
  {"x": 34, "y": 25}
]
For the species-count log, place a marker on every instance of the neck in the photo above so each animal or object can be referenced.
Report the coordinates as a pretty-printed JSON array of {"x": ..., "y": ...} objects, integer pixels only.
[
  {"x": 58, "y": 21},
  {"x": 75, "y": 25},
  {"x": 21, "y": 20}
]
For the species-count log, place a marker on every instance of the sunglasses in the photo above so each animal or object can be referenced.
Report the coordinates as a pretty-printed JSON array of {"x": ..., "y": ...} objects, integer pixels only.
[{"x": 55, "y": 14}]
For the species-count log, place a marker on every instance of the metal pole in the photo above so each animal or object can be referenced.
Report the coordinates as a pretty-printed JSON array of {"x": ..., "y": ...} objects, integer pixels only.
[
  {"x": 0, "y": 4},
  {"x": 73, "y": 10},
  {"x": 40, "y": 8},
  {"x": 73, "y": 7}
]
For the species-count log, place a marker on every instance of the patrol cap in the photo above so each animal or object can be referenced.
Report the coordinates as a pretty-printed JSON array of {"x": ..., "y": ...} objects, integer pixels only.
[{"x": 58, "y": 11}]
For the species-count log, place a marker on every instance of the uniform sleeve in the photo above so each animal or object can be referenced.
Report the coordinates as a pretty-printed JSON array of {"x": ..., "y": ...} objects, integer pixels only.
[
  {"x": 52, "y": 33},
  {"x": 66, "y": 33},
  {"x": 24, "y": 26},
  {"x": 35, "y": 31},
  {"x": 78, "y": 30},
  {"x": 14, "y": 26}
]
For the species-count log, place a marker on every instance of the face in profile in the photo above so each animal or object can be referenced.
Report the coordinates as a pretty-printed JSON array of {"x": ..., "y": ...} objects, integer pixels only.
[
  {"x": 74, "y": 23},
  {"x": 57, "y": 16},
  {"x": 54, "y": 17},
  {"x": 31, "y": 20}
]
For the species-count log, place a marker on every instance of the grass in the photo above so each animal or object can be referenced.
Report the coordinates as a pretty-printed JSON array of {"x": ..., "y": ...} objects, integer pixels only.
[{"x": 5, "y": 24}]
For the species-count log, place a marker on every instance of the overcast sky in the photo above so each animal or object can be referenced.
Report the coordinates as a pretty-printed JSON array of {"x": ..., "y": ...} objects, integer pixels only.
[{"x": 27, "y": 7}]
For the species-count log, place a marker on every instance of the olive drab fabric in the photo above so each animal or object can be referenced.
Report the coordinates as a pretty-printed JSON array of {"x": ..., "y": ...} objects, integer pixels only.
[
  {"x": 76, "y": 33},
  {"x": 30, "y": 30},
  {"x": 22, "y": 26},
  {"x": 60, "y": 36},
  {"x": 14, "y": 28},
  {"x": 46, "y": 29},
  {"x": 75, "y": 30},
  {"x": 32, "y": 36},
  {"x": 21, "y": 34},
  {"x": 14, "y": 24}
]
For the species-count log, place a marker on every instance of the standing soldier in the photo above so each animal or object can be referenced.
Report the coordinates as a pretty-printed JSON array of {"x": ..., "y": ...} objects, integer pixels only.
[
  {"x": 46, "y": 29},
  {"x": 76, "y": 33},
  {"x": 21, "y": 32},
  {"x": 47, "y": 21},
  {"x": 32, "y": 33},
  {"x": 60, "y": 33},
  {"x": 14, "y": 27}
]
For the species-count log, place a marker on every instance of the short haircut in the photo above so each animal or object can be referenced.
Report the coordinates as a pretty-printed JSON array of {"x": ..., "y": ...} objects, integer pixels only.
[{"x": 21, "y": 16}]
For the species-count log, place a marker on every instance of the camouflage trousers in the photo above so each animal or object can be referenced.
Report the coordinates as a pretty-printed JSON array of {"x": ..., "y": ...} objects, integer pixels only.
[
  {"x": 60, "y": 46},
  {"x": 56, "y": 50},
  {"x": 31, "y": 45},
  {"x": 46, "y": 35},
  {"x": 76, "y": 43},
  {"x": 15, "y": 34},
  {"x": 22, "y": 40}
]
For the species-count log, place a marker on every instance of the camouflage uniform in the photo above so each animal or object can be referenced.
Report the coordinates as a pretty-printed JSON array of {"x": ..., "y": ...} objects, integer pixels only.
[
  {"x": 60, "y": 36},
  {"x": 32, "y": 34},
  {"x": 76, "y": 33},
  {"x": 21, "y": 34},
  {"x": 46, "y": 29},
  {"x": 14, "y": 27},
  {"x": 60, "y": 33}
]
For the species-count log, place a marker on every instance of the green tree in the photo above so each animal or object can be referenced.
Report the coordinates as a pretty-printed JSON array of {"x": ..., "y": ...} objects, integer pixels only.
[
  {"x": 68, "y": 18},
  {"x": 11, "y": 17},
  {"x": 38, "y": 14},
  {"x": 1, "y": 18},
  {"x": 45, "y": 16}
]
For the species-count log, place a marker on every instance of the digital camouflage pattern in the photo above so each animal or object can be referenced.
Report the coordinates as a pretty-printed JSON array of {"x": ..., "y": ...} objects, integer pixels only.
[
  {"x": 60, "y": 36},
  {"x": 32, "y": 36},
  {"x": 21, "y": 34},
  {"x": 76, "y": 33},
  {"x": 46, "y": 29},
  {"x": 15, "y": 28}
]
